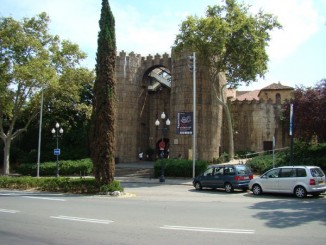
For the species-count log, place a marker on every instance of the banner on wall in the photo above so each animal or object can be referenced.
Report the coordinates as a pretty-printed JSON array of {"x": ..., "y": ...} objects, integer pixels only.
[{"x": 184, "y": 123}]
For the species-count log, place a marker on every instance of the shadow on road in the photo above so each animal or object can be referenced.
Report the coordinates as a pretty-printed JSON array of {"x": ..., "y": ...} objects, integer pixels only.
[{"x": 289, "y": 211}]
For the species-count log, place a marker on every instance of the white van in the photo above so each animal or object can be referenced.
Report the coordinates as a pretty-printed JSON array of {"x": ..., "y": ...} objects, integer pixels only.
[{"x": 297, "y": 180}]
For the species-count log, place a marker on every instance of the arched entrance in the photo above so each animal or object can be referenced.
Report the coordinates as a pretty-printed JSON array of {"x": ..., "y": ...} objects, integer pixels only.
[{"x": 155, "y": 99}]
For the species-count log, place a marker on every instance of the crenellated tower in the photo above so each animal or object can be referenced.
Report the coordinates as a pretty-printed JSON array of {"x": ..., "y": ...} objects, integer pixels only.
[{"x": 148, "y": 86}]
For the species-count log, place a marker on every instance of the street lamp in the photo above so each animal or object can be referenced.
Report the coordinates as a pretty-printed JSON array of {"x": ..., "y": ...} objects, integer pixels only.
[
  {"x": 57, "y": 133},
  {"x": 162, "y": 143}
]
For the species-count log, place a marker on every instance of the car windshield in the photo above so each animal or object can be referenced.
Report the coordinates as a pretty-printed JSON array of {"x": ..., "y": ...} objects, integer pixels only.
[{"x": 316, "y": 172}]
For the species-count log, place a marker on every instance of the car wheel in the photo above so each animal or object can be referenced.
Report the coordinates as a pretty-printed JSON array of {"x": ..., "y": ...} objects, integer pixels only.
[
  {"x": 228, "y": 188},
  {"x": 256, "y": 189},
  {"x": 198, "y": 186},
  {"x": 300, "y": 192}
]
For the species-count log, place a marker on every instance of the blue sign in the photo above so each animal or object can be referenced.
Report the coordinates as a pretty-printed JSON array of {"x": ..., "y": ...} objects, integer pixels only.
[{"x": 56, "y": 152}]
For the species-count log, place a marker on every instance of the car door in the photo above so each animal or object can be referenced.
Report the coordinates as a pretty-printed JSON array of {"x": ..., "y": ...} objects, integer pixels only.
[
  {"x": 207, "y": 178},
  {"x": 269, "y": 180},
  {"x": 286, "y": 180},
  {"x": 219, "y": 177}
]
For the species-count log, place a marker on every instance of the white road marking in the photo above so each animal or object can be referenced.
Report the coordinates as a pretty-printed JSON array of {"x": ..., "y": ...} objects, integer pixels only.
[
  {"x": 9, "y": 211},
  {"x": 46, "y": 198},
  {"x": 82, "y": 219},
  {"x": 203, "y": 229}
]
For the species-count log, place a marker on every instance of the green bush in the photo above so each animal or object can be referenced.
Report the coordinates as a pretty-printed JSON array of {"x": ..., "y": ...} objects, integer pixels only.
[
  {"x": 114, "y": 186},
  {"x": 303, "y": 154},
  {"x": 178, "y": 167},
  {"x": 66, "y": 168},
  {"x": 71, "y": 185}
]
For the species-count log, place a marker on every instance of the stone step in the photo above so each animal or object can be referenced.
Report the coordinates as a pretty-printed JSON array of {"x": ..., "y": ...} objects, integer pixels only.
[{"x": 134, "y": 172}]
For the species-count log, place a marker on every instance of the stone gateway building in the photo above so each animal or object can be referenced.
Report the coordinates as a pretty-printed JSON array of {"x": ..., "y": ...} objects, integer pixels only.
[{"x": 148, "y": 87}]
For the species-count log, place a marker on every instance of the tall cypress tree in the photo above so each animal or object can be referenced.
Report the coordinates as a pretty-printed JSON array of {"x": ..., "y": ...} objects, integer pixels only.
[{"x": 103, "y": 116}]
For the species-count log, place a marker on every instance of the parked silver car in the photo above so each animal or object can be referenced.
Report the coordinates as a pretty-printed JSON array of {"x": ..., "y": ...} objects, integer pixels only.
[{"x": 297, "y": 180}]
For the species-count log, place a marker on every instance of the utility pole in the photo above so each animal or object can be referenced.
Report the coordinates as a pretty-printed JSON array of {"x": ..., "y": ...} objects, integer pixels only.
[{"x": 192, "y": 67}]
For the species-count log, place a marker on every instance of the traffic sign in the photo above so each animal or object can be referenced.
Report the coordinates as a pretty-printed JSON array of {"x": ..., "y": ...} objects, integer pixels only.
[
  {"x": 162, "y": 145},
  {"x": 56, "y": 152}
]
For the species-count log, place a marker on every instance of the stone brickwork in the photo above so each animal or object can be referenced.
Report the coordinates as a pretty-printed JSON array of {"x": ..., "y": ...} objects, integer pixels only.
[
  {"x": 138, "y": 107},
  {"x": 255, "y": 123}
]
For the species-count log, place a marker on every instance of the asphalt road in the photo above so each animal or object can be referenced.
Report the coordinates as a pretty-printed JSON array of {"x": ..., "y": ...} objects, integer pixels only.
[{"x": 154, "y": 213}]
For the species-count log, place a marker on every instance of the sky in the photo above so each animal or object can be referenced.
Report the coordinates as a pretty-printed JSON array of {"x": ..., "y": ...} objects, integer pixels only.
[{"x": 297, "y": 52}]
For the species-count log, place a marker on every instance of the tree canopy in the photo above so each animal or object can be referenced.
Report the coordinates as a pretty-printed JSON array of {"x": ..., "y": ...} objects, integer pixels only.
[
  {"x": 309, "y": 112},
  {"x": 230, "y": 42},
  {"x": 229, "y": 39},
  {"x": 31, "y": 59}
]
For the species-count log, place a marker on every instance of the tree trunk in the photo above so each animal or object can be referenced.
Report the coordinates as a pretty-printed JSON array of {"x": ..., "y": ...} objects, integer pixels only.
[
  {"x": 230, "y": 130},
  {"x": 221, "y": 101},
  {"x": 6, "y": 155}
]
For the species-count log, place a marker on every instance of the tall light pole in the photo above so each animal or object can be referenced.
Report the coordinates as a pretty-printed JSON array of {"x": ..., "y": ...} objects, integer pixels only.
[
  {"x": 291, "y": 133},
  {"x": 162, "y": 143},
  {"x": 192, "y": 67},
  {"x": 57, "y": 133},
  {"x": 39, "y": 136}
]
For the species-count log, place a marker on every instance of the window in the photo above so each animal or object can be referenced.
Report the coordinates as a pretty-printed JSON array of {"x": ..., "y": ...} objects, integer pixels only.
[
  {"x": 218, "y": 171},
  {"x": 301, "y": 172},
  {"x": 208, "y": 172},
  {"x": 316, "y": 172},
  {"x": 272, "y": 174},
  {"x": 287, "y": 172},
  {"x": 278, "y": 98},
  {"x": 228, "y": 171}
]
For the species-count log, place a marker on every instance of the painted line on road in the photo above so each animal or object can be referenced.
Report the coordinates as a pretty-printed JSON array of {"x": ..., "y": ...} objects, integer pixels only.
[
  {"x": 203, "y": 229},
  {"x": 46, "y": 198},
  {"x": 99, "y": 221},
  {"x": 9, "y": 211}
]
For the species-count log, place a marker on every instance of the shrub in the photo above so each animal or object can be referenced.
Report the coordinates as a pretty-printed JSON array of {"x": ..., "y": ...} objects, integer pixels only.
[
  {"x": 303, "y": 154},
  {"x": 114, "y": 186},
  {"x": 66, "y": 168},
  {"x": 178, "y": 167},
  {"x": 71, "y": 185}
]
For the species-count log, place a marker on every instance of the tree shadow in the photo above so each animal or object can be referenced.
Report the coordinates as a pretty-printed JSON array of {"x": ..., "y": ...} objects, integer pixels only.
[{"x": 292, "y": 212}]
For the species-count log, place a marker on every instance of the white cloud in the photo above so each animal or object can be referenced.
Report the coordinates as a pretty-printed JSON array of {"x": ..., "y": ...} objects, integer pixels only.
[{"x": 300, "y": 20}]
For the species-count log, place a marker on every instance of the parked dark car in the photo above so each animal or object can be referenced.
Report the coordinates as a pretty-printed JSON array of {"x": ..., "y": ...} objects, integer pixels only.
[{"x": 229, "y": 177}]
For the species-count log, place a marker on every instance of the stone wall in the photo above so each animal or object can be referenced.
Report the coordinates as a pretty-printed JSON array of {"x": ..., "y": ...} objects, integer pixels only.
[
  {"x": 137, "y": 109},
  {"x": 254, "y": 124}
]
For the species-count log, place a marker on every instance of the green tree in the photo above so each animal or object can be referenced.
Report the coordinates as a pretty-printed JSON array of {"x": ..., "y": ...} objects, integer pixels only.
[
  {"x": 103, "y": 138},
  {"x": 230, "y": 42},
  {"x": 31, "y": 60},
  {"x": 309, "y": 112}
]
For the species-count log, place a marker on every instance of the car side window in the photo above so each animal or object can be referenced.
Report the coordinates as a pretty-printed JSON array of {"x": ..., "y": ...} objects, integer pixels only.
[
  {"x": 229, "y": 171},
  {"x": 218, "y": 171},
  {"x": 272, "y": 174},
  {"x": 301, "y": 172},
  {"x": 316, "y": 172},
  {"x": 287, "y": 173},
  {"x": 208, "y": 172}
]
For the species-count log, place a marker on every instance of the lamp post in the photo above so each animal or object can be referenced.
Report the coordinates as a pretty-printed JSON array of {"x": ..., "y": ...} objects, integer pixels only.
[
  {"x": 162, "y": 143},
  {"x": 57, "y": 133}
]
